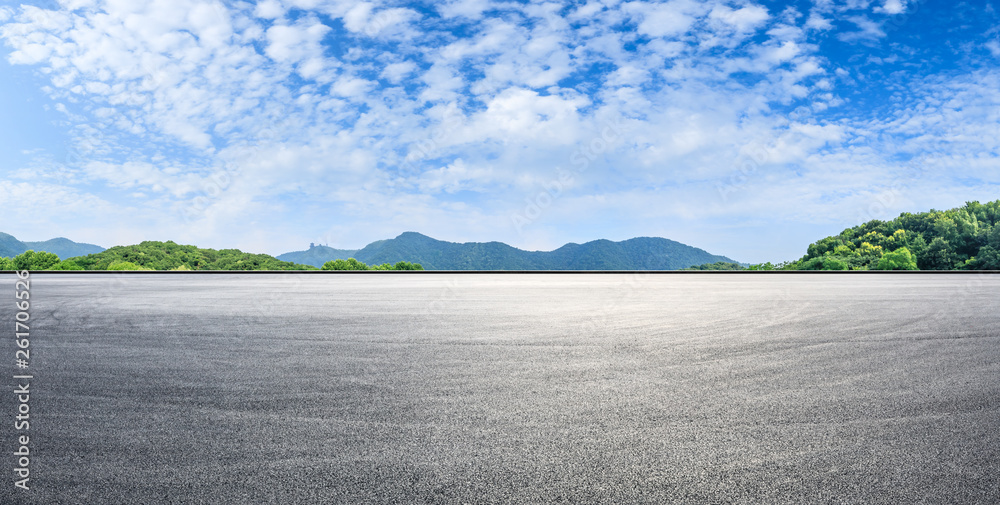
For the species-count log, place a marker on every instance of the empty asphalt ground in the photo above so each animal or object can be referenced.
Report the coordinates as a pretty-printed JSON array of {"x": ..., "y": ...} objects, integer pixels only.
[{"x": 509, "y": 388}]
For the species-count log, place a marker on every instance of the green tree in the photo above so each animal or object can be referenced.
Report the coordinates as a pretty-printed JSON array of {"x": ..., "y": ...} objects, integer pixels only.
[
  {"x": 31, "y": 260},
  {"x": 946, "y": 228},
  {"x": 939, "y": 240},
  {"x": 406, "y": 265},
  {"x": 353, "y": 264},
  {"x": 67, "y": 265},
  {"x": 993, "y": 237},
  {"x": 824, "y": 263},
  {"x": 987, "y": 259},
  {"x": 900, "y": 259},
  {"x": 938, "y": 256},
  {"x": 171, "y": 256},
  {"x": 6, "y": 264},
  {"x": 917, "y": 245},
  {"x": 348, "y": 264},
  {"x": 125, "y": 265},
  {"x": 823, "y": 246},
  {"x": 718, "y": 265}
]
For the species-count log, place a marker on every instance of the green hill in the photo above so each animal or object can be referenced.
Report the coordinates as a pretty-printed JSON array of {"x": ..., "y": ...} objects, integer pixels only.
[
  {"x": 644, "y": 253},
  {"x": 317, "y": 255},
  {"x": 10, "y": 246},
  {"x": 963, "y": 238},
  {"x": 62, "y": 247},
  {"x": 171, "y": 256}
]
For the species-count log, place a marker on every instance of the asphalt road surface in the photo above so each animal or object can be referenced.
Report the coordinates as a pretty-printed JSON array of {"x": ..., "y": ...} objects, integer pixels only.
[{"x": 512, "y": 388}]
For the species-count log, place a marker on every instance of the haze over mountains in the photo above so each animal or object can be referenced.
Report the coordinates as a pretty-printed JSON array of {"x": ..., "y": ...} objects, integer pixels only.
[
  {"x": 962, "y": 238},
  {"x": 642, "y": 253},
  {"x": 62, "y": 247}
]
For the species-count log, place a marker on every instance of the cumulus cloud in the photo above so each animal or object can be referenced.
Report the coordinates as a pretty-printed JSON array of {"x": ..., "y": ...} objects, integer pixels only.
[
  {"x": 269, "y": 9},
  {"x": 818, "y": 22},
  {"x": 191, "y": 115},
  {"x": 892, "y": 7},
  {"x": 299, "y": 44},
  {"x": 395, "y": 72},
  {"x": 667, "y": 19},
  {"x": 994, "y": 48},
  {"x": 741, "y": 20},
  {"x": 518, "y": 115},
  {"x": 472, "y": 9},
  {"x": 867, "y": 30}
]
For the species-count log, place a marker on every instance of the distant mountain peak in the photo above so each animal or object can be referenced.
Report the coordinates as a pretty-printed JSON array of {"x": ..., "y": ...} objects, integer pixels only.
[
  {"x": 60, "y": 246},
  {"x": 640, "y": 253},
  {"x": 412, "y": 235}
]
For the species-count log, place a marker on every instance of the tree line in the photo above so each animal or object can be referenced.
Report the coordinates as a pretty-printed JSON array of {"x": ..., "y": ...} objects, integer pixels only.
[
  {"x": 963, "y": 238},
  {"x": 353, "y": 264},
  {"x": 165, "y": 256}
]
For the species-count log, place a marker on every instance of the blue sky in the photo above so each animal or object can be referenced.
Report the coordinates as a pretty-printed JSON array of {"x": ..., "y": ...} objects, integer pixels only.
[{"x": 747, "y": 129}]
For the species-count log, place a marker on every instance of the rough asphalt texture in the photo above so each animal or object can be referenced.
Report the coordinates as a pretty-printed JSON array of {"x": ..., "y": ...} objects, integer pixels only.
[{"x": 518, "y": 388}]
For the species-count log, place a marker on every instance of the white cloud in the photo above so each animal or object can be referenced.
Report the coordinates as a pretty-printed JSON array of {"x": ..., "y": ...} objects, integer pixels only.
[
  {"x": 131, "y": 175},
  {"x": 53, "y": 204},
  {"x": 472, "y": 9},
  {"x": 210, "y": 23},
  {"x": 358, "y": 17},
  {"x": 777, "y": 55},
  {"x": 169, "y": 97},
  {"x": 296, "y": 43},
  {"x": 665, "y": 20},
  {"x": 519, "y": 115},
  {"x": 395, "y": 72},
  {"x": 868, "y": 30},
  {"x": 628, "y": 75},
  {"x": 391, "y": 21},
  {"x": 818, "y": 22},
  {"x": 743, "y": 20},
  {"x": 892, "y": 7},
  {"x": 269, "y": 9},
  {"x": 994, "y": 47},
  {"x": 457, "y": 176},
  {"x": 77, "y": 4},
  {"x": 442, "y": 83},
  {"x": 351, "y": 87}
]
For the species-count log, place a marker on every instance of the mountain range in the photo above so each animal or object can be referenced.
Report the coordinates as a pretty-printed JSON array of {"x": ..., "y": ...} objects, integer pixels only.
[
  {"x": 642, "y": 253},
  {"x": 62, "y": 247}
]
